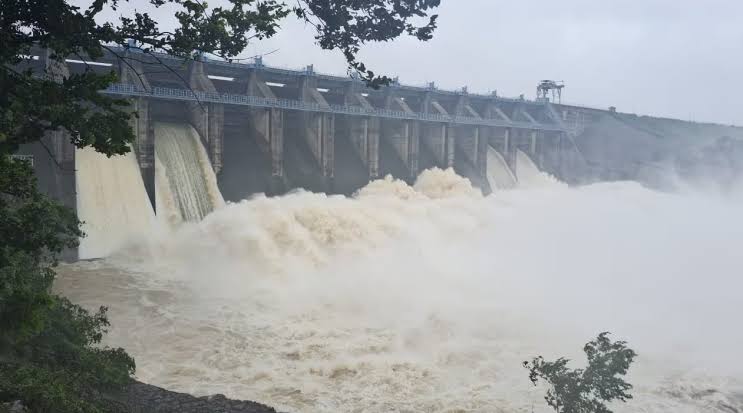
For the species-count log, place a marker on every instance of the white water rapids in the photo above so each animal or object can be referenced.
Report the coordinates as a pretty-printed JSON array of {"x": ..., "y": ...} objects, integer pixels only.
[{"x": 428, "y": 298}]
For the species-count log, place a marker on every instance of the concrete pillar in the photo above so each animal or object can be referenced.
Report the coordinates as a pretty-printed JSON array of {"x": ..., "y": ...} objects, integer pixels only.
[
  {"x": 144, "y": 146},
  {"x": 434, "y": 139},
  {"x": 434, "y": 136},
  {"x": 364, "y": 135},
  {"x": 268, "y": 128},
  {"x": 509, "y": 151},
  {"x": 394, "y": 131},
  {"x": 533, "y": 142},
  {"x": 467, "y": 141},
  {"x": 450, "y": 142},
  {"x": 131, "y": 72},
  {"x": 404, "y": 135},
  {"x": 327, "y": 133},
  {"x": 482, "y": 150},
  {"x": 471, "y": 140},
  {"x": 318, "y": 128},
  {"x": 506, "y": 141},
  {"x": 414, "y": 131},
  {"x": 374, "y": 126},
  {"x": 206, "y": 118},
  {"x": 63, "y": 151},
  {"x": 62, "y": 180},
  {"x": 216, "y": 135},
  {"x": 359, "y": 137},
  {"x": 364, "y": 131},
  {"x": 275, "y": 133}
]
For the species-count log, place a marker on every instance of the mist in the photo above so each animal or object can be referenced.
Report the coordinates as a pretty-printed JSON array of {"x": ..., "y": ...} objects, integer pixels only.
[{"x": 428, "y": 298}]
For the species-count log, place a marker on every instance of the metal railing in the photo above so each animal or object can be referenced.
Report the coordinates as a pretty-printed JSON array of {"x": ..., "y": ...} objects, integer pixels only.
[
  {"x": 255, "y": 101},
  {"x": 257, "y": 64}
]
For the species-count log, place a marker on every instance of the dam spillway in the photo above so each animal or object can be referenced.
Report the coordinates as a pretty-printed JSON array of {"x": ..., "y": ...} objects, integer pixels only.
[
  {"x": 270, "y": 130},
  {"x": 235, "y": 130},
  {"x": 111, "y": 201},
  {"x": 189, "y": 177},
  {"x": 500, "y": 176},
  {"x": 281, "y": 304}
]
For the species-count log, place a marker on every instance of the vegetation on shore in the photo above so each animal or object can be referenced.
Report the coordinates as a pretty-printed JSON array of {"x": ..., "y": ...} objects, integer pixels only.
[{"x": 50, "y": 357}]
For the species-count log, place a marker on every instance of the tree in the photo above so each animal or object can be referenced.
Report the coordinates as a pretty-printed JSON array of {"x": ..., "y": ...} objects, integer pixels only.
[
  {"x": 30, "y": 105},
  {"x": 50, "y": 353},
  {"x": 586, "y": 390}
]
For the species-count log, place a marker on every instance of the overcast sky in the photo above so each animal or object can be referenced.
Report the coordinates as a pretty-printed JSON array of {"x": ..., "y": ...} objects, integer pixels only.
[{"x": 674, "y": 58}]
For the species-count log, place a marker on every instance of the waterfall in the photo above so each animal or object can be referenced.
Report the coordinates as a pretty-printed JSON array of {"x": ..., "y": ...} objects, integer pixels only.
[
  {"x": 529, "y": 175},
  {"x": 168, "y": 212},
  {"x": 111, "y": 201},
  {"x": 499, "y": 174},
  {"x": 186, "y": 185}
]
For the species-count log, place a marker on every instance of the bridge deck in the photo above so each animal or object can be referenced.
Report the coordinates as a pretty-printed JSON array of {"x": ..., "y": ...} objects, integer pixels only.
[
  {"x": 230, "y": 87},
  {"x": 255, "y": 101}
]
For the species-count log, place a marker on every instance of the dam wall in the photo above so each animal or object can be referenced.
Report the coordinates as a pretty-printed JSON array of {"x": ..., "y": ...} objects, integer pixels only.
[
  {"x": 612, "y": 145},
  {"x": 271, "y": 130}
]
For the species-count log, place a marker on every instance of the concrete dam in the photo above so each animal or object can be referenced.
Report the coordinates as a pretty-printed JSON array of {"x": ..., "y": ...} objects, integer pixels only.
[{"x": 212, "y": 131}]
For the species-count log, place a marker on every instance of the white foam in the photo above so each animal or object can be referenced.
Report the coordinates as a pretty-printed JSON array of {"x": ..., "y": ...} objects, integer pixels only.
[{"x": 428, "y": 298}]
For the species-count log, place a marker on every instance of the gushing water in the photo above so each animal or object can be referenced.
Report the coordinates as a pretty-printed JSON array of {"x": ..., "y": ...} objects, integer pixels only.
[
  {"x": 499, "y": 174},
  {"x": 192, "y": 185},
  {"x": 168, "y": 212},
  {"x": 529, "y": 175},
  {"x": 111, "y": 201},
  {"x": 427, "y": 298}
]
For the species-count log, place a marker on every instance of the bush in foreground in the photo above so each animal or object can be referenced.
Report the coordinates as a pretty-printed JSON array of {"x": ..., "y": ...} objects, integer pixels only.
[{"x": 586, "y": 390}]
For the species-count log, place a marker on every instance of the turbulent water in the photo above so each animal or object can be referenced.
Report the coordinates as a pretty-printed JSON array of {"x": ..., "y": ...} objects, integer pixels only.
[
  {"x": 428, "y": 298},
  {"x": 185, "y": 183},
  {"x": 498, "y": 173},
  {"x": 111, "y": 201}
]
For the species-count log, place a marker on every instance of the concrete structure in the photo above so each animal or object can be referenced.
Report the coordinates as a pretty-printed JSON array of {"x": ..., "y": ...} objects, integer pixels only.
[
  {"x": 270, "y": 129},
  {"x": 130, "y": 73},
  {"x": 53, "y": 158}
]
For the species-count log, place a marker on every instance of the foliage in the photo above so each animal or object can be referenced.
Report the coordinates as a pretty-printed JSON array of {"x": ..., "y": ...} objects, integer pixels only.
[
  {"x": 586, "y": 390},
  {"x": 50, "y": 353},
  {"x": 348, "y": 24},
  {"x": 31, "y": 105}
]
